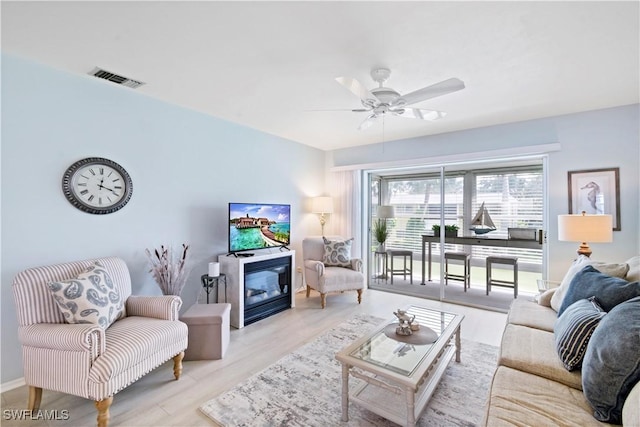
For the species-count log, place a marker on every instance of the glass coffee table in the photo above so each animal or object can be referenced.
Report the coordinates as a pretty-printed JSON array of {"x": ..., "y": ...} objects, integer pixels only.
[{"x": 400, "y": 373}]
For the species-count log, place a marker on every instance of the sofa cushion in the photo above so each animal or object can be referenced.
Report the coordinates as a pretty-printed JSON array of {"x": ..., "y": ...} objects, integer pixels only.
[
  {"x": 528, "y": 313},
  {"x": 337, "y": 253},
  {"x": 609, "y": 290},
  {"x": 534, "y": 351},
  {"x": 631, "y": 408},
  {"x": 574, "y": 328},
  {"x": 521, "y": 399},
  {"x": 90, "y": 297},
  {"x": 611, "y": 364},
  {"x": 544, "y": 299},
  {"x": 633, "y": 275},
  {"x": 577, "y": 265}
]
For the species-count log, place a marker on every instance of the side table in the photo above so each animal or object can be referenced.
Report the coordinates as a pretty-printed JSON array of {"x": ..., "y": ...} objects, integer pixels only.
[
  {"x": 380, "y": 266},
  {"x": 210, "y": 283}
]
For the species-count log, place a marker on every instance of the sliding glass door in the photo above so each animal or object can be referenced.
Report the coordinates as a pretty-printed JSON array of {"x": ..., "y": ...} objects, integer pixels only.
[{"x": 512, "y": 195}]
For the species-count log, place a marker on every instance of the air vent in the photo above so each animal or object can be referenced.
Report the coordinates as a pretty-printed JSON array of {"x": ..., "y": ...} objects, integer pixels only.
[{"x": 115, "y": 78}]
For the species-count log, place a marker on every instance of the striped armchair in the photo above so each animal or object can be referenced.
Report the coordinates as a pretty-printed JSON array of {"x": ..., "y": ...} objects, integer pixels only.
[{"x": 85, "y": 359}]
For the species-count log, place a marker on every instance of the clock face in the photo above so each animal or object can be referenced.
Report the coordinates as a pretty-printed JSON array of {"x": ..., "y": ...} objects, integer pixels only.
[{"x": 97, "y": 186}]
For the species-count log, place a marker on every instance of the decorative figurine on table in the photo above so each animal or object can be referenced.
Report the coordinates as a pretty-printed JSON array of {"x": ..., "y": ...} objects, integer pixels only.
[{"x": 405, "y": 322}]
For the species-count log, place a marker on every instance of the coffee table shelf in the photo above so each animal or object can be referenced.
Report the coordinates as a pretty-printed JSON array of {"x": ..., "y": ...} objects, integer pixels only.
[
  {"x": 393, "y": 406},
  {"x": 399, "y": 377}
]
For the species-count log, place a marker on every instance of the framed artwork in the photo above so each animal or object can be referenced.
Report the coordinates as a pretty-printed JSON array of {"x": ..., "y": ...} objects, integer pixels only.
[{"x": 596, "y": 191}]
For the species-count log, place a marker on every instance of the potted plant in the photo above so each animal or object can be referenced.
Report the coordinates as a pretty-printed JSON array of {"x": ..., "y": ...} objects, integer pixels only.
[
  {"x": 450, "y": 230},
  {"x": 381, "y": 233}
]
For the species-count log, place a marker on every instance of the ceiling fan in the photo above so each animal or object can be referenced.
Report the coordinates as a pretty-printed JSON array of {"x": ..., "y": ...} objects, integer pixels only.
[{"x": 383, "y": 100}]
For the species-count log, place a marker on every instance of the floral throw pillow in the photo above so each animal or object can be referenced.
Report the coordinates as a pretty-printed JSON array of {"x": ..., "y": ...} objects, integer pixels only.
[
  {"x": 337, "y": 253},
  {"x": 89, "y": 298}
]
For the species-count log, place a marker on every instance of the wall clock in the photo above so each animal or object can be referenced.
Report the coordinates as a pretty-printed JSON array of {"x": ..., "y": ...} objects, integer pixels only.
[{"x": 97, "y": 186}]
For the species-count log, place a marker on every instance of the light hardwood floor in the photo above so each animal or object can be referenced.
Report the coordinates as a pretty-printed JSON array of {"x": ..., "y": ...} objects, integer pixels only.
[{"x": 158, "y": 400}]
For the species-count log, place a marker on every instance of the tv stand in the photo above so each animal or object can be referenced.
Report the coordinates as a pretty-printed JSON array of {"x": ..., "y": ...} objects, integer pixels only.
[{"x": 240, "y": 255}]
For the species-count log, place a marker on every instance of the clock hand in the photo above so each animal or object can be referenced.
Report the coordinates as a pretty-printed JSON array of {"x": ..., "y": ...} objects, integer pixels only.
[{"x": 109, "y": 189}]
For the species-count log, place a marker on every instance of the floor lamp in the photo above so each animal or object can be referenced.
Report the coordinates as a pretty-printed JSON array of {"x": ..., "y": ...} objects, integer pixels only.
[
  {"x": 583, "y": 228},
  {"x": 322, "y": 205}
]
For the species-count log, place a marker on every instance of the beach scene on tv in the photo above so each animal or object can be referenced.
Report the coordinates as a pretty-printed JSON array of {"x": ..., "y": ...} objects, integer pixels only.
[{"x": 256, "y": 226}]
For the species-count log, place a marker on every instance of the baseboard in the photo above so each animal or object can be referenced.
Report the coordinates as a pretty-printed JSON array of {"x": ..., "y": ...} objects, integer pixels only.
[{"x": 12, "y": 384}]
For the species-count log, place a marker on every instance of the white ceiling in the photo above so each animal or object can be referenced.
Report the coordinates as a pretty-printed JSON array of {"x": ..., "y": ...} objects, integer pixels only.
[{"x": 269, "y": 65}]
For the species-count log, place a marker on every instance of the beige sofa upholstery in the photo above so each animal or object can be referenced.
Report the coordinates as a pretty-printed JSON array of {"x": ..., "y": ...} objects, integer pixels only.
[{"x": 531, "y": 387}]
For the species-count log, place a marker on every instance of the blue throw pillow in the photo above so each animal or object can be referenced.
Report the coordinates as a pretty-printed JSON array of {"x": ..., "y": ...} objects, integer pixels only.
[
  {"x": 611, "y": 365},
  {"x": 609, "y": 290},
  {"x": 573, "y": 330}
]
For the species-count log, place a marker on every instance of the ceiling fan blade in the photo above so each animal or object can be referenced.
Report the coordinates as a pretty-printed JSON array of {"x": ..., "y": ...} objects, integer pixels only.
[
  {"x": 444, "y": 87},
  {"x": 368, "y": 122},
  {"x": 359, "y": 90},
  {"x": 422, "y": 114},
  {"x": 353, "y": 110}
]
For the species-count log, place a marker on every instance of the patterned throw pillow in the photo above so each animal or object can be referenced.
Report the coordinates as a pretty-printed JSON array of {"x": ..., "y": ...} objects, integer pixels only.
[
  {"x": 337, "y": 253},
  {"x": 89, "y": 298},
  {"x": 573, "y": 330}
]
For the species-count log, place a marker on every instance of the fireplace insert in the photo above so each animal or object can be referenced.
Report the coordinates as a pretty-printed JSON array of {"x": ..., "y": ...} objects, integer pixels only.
[{"x": 267, "y": 288}]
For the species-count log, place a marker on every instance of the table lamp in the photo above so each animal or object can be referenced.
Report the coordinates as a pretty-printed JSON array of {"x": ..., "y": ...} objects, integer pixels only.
[
  {"x": 322, "y": 205},
  {"x": 583, "y": 228}
]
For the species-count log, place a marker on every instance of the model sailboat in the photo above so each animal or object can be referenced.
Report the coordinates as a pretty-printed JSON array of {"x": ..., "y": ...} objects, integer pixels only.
[{"x": 482, "y": 223}]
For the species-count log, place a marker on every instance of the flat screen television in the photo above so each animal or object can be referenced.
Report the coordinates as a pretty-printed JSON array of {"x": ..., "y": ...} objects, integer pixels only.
[{"x": 258, "y": 225}]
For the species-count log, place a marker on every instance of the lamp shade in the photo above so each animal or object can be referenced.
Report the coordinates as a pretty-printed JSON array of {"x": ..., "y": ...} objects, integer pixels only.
[
  {"x": 585, "y": 228},
  {"x": 322, "y": 205},
  {"x": 386, "y": 211}
]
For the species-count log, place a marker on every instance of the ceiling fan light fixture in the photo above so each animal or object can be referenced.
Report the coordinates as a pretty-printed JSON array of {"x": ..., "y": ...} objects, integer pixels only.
[
  {"x": 383, "y": 100},
  {"x": 429, "y": 115}
]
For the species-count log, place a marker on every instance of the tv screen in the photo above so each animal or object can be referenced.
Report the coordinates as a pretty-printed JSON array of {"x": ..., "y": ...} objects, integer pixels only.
[{"x": 257, "y": 226}]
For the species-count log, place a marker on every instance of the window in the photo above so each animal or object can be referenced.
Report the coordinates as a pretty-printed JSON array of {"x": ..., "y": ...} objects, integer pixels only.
[{"x": 513, "y": 196}]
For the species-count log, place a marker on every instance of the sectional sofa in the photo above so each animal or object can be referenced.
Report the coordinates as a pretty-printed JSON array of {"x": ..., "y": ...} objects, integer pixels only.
[{"x": 532, "y": 386}]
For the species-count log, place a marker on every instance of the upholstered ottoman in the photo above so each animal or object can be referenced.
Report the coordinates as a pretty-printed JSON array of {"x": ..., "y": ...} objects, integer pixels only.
[{"x": 208, "y": 331}]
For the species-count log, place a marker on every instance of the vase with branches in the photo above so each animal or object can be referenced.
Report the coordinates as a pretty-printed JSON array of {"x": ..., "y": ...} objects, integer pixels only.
[{"x": 169, "y": 271}]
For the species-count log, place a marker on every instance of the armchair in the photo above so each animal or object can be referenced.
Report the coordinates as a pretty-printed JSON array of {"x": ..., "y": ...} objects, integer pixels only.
[
  {"x": 85, "y": 359},
  {"x": 325, "y": 279}
]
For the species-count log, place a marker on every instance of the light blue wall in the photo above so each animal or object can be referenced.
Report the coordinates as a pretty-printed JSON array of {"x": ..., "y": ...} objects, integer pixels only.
[
  {"x": 185, "y": 167},
  {"x": 592, "y": 140}
]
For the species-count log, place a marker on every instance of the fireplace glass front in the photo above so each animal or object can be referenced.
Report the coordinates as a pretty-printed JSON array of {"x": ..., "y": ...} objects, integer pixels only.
[{"x": 267, "y": 288}]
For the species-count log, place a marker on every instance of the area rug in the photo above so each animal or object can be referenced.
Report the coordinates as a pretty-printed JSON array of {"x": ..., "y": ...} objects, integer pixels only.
[{"x": 304, "y": 388}]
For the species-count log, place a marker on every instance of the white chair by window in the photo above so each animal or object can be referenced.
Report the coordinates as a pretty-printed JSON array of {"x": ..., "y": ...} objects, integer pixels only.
[{"x": 328, "y": 267}]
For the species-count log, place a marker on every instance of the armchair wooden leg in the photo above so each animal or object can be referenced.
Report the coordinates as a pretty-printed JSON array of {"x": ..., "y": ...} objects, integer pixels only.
[
  {"x": 177, "y": 365},
  {"x": 308, "y": 290},
  {"x": 359, "y": 296},
  {"x": 103, "y": 411},
  {"x": 323, "y": 300},
  {"x": 35, "y": 396}
]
